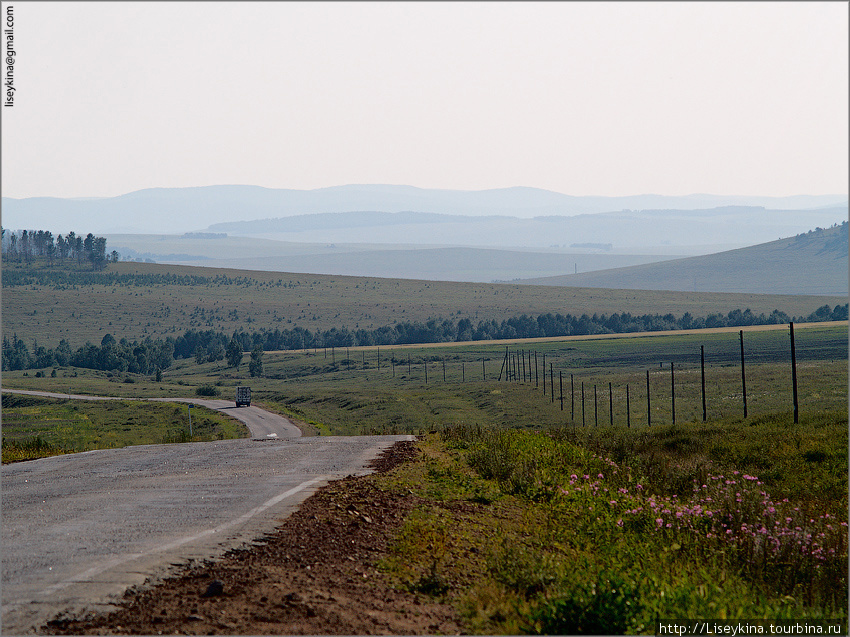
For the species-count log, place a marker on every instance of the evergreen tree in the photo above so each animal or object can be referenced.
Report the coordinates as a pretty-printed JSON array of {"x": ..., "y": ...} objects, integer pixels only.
[
  {"x": 255, "y": 367},
  {"x": 234, "y": 352}
]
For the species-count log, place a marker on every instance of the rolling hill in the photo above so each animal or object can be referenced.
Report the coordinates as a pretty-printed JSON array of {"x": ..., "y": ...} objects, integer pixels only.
[
  {"x": 178, "y": 210},
  {"x": 139, "y": 300},
  {"x": 815, "y": 262}
]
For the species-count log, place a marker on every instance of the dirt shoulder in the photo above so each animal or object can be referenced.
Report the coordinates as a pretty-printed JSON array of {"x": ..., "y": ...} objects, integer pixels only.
[{"x": 316, "y": 574}]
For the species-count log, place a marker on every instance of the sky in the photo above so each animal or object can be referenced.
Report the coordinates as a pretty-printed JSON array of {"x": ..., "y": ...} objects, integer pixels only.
[{"x": 596, "y": 98}]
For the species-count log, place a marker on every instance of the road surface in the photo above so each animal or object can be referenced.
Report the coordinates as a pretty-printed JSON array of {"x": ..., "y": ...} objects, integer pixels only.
[
  {"x": 260, "y": 422},
  {"x": 79, "y": 529}
]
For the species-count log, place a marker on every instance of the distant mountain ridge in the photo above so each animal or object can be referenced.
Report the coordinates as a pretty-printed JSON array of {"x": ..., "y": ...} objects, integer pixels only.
[
  {"x": 815, "y": 262},
  {"x": 682, "y": 232},
  {"x": 181, "y": 210}
]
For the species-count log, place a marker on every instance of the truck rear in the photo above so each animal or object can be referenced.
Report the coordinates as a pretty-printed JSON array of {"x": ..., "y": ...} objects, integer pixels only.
[{"x": 243, "y": 396}]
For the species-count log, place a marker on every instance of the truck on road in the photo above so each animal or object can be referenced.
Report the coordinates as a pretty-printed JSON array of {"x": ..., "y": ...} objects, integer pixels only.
[{"x": 243, "y": 396}]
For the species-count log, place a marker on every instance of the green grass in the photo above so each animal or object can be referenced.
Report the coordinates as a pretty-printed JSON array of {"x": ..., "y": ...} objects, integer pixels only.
[
  {"x": 333, "y": 387},
  {"x": 48, "y": 311},
  {"x": 35, "y": 427},
  {"x": 531, "y": 533}
]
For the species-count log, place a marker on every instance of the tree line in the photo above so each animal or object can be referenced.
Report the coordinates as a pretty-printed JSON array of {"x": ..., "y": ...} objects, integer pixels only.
[
  {"x": 147, "y": 356},
  {"x": 28, "y": 245},
  {"x": 136, "y": 279}
]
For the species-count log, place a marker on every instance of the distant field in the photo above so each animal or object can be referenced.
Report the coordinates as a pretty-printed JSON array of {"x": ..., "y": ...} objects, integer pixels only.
[
  {"x": 369, "y": 258},
  {"x": 346, "y": 392},
  {"x": 144, "y": 304}
]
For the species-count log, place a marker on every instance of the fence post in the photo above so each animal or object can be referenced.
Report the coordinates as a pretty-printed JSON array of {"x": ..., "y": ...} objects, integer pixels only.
[
  {"x": 595, "y": 408},
  {"x": 561, "y": 385},
  {"x": 544, "y": 374},
  {"x": 462, "y": 372},
  {"x": 743, "y": 373},
  {"x": 648, "y": 408},
  {"x": 572, "y": 400},
  {"x": 610, "y": 405},
  {"x": 536, "y": 373},
  {"x": 794, "y": 376},
  {"x": 582, "y": 403},
  {"x": 673, "y": 391},
  {"x": 483, "y": 370},
  {"x": 702, "y": 367},
  {"x": 426, "y": 370},
  {"x": 444, "y": 369},
  {"x": 552, "y": 381},
  {"x": 504, "y": 362},
  {"x": 628, "y": 410}
]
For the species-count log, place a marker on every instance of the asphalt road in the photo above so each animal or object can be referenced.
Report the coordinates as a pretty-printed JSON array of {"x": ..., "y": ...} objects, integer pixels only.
[
  {"x": 79, "y": 529},
  {"x": 260, "y": 423}
]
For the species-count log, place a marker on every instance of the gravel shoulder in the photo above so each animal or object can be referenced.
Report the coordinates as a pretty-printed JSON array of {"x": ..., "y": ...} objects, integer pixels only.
[{"x": 315, "y": 574}]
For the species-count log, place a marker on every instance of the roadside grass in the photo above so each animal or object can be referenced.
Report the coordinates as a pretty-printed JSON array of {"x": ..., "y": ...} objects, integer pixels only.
[
  {"x": 529, "y": 532},
  {"x": 36, "y": 427}
]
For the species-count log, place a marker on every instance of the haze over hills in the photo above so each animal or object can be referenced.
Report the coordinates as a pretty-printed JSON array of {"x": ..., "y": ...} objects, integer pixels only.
[
  {"x": 812, "y": 263},
  {"x": 650, "y": 232},
  {"x": 178, "y": 210}
]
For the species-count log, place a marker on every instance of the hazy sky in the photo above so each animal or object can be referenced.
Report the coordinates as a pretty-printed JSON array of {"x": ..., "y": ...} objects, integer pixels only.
[{"x": 594, "y": 98}]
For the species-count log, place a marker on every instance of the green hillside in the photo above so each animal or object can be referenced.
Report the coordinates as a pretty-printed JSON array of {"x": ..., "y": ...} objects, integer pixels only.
[
  {"x": 811, "y": 263},
  {"x": 134, "y": 301}
]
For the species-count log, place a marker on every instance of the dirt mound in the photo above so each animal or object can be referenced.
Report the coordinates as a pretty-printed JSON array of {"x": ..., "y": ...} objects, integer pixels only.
[{"x": 315, "y": 575}]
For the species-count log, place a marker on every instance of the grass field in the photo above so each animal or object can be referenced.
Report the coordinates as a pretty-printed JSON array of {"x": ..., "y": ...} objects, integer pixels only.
[
  {"x": 38, "y": 427},
  {"x": 530, "y": 522},
  {"x": 531, "y": 533},
  {"x": 41, "y": 307}
]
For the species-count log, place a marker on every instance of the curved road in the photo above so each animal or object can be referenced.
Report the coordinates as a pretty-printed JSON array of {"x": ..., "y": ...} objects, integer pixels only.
[
  {"x": 260, "y": 423},
  {"x": 79, "y": 529}
]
